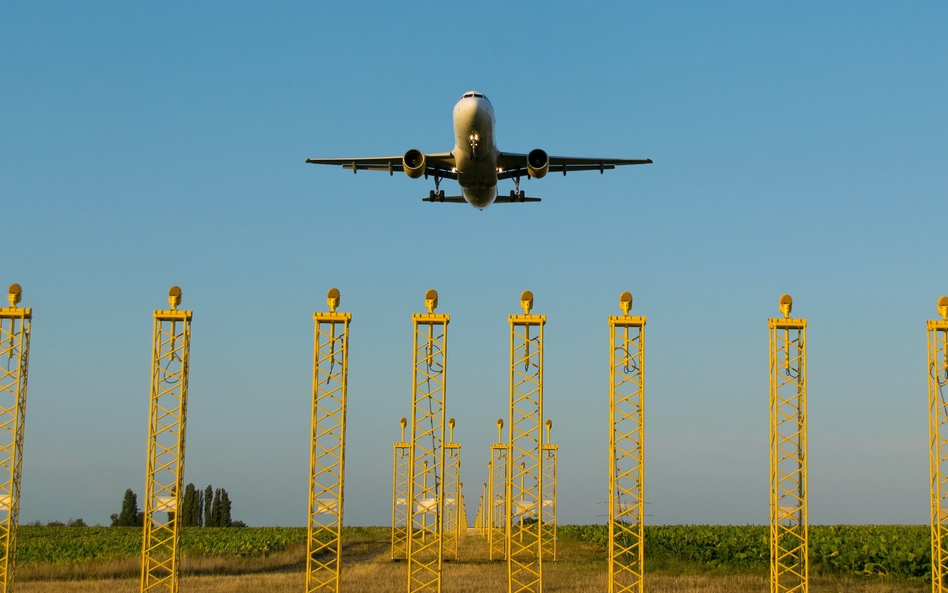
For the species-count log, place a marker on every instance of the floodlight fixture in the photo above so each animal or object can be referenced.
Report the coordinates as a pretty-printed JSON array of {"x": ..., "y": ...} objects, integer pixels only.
[
  {"x": 625, "y": 302},
  {"x": 332, "y": 299},
  {"x": 174, "y": 296},
  {"x": 786, "y": 305},
  {"x": 526, "y": 301},
  {"x": 15, "y": 294},
  {"x": 431, "y": 300}
]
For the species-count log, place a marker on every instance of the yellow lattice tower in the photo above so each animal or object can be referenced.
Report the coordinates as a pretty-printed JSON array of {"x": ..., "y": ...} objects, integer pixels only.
[
  {"x": 327, "y": 462},
  {"x": 626, "y": 450},
  {"x": 425, "y": 492},
  {"x": 524, "y": 473},
  {"x": 497, "y": 493},
  {"x": 400, "y": 465},
  {"x": 479, "y": 521},
  {"x": 171, "y": 346},
  {"x": 938, "y": 443},
  {"x": 14, "y": 363},
  {"x": 548, "y": 522},
  {"x": 789, "y": 526},
  {"x": 452, "y": 493}
]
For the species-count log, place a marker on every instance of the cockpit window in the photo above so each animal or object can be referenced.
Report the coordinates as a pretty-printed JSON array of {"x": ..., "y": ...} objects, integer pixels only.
[{"x": 473, "y": 95}]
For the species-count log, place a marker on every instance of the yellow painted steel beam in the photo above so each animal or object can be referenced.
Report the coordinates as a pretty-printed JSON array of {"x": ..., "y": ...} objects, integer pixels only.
[
  {"x": 627, "y": 450},
  {"x": 164, "y": 475},
  {"x": 789, "y": 523},
  {"x": 938, "y": 443},
  {"x": 400, "y": 472},
  {"x": 497, "y": 496},
  {"x": 328, "y": 447},
  {"x": 524, "y": 479},
  {"x": 425, "y": 484},
  {"x": 14, "y": 365},
  {"x": 548, "y": 522}
]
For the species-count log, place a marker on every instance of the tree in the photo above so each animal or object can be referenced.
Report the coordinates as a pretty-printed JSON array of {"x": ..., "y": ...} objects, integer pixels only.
[
  {"x": 208, "y": 499},
  {"x": 187, "y": 506},
  {"x": 216, "y": 510},
  {"x": 129, "y": 515},
  {"x": 225, "y": 509}
]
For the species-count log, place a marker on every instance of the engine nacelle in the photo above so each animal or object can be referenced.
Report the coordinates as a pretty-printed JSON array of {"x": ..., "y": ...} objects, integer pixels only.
[
  {"x": 538, "y": 163},
  {"x": 414, "y": 163}
]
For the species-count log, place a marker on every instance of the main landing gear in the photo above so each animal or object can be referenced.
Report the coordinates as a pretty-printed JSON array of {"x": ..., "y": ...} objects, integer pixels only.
[
  {"x": 434, "y": 196},
  {"x": 516, "y": 195}
]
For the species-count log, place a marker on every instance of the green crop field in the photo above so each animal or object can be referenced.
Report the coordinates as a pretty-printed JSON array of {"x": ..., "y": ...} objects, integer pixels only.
[{"x": 710, "y": 558}]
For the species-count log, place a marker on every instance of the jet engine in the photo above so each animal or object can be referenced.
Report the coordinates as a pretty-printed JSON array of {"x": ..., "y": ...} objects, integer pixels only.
[
  {"x": 414, "y": 163},
  {"x": 538, "y": 163}
]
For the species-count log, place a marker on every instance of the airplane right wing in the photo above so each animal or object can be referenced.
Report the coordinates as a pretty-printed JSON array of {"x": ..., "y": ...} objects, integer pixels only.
[{"x": 440, "y": 164}]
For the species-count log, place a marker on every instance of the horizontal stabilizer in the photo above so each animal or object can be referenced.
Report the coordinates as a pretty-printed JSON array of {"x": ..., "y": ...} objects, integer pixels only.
[{"x": 449, "y": 199}]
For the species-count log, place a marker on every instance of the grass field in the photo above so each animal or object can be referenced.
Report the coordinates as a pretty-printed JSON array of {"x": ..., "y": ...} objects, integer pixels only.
[{"x": 581, "y": 566}]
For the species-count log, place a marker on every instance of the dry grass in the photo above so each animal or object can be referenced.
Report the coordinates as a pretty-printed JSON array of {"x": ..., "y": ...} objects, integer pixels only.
[{"x": 366, "y": 567}]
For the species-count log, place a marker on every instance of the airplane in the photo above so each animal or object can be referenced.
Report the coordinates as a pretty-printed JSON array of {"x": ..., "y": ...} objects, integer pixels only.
[{"x": 475, "y": 163}]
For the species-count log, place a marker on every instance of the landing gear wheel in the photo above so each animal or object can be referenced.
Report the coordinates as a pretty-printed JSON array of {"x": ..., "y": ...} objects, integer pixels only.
[
  {"x": 522, "y": 195},
  {"x": 513, "y": 196},
  {"x": 441, "y": 195},
  {"x": 431, "y": 196}
]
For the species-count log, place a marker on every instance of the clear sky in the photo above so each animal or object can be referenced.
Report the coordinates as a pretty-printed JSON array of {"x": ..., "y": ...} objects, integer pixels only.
[{"x": 797, "y": 148}]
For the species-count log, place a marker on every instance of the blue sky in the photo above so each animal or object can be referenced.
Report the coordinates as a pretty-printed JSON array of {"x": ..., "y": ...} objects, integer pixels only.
[{"x": 797, "y": 148}]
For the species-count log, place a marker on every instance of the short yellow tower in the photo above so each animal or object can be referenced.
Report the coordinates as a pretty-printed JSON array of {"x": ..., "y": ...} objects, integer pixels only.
[
  {"x": 627, "y": 450},
  {"x": 938, "y": 443},
  {"x": 789, "y": 524},
  {"x": 15, "y": 358},
  {"x": 548, "y": 522},
  {"x": 452, "y": 494},
  {"x": 170, "y": 360},
  {"x": 400, "y": 464},
  {"x": 497, "y": 494},
  {"x": 327, "y": 461}
]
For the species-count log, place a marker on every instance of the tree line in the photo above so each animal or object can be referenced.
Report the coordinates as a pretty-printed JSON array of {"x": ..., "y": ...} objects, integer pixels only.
[{"x": 209, "y": 507}]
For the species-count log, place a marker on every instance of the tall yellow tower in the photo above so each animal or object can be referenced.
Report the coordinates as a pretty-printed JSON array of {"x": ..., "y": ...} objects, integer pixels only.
[
  {"x": 425, "y": 482},
  {"x": 938, "y": 443},
  {"x": 14, "y": 363},
  {"x": 327, "y": 462},
  {"x": 170, "y": 360},
  {"x": 789, "y": 524},
  {"x": 524, "y": 470},
  {"x": 626, "y": 450}
]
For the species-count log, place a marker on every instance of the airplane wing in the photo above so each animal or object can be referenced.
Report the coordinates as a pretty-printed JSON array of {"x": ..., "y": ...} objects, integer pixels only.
[
  {"x": 437, "y": 163},
  {"x": 514, "y": 165}
]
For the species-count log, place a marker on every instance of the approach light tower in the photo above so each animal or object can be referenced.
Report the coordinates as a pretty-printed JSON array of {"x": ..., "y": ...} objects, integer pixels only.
[
  {"x": 327, "y": 462},
  {"x": 938, "y": 443},
  {"x": 789, "y": 524},
  {"x": 524, "y": 463},
  {"x": 164, "y": 476},
  {"x": 400, "y": 464},
  {"x": 626, "y": 450},
  {"x": 425, "y": 482},
  {"x": 548, "y": 521},
  {"x": 14, "y": 362},
  {"x": 452, "y": 494},
  {"x": 496, "y": 508}
]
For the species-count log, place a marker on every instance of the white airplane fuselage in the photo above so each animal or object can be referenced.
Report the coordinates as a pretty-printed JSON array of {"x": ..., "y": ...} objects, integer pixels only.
[{"x": 475, "y": 152}]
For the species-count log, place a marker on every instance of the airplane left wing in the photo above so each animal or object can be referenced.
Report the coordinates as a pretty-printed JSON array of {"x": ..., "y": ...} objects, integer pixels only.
[
  {"x": 440, "y": 164},
  {"x": 514, "y": 165}
]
